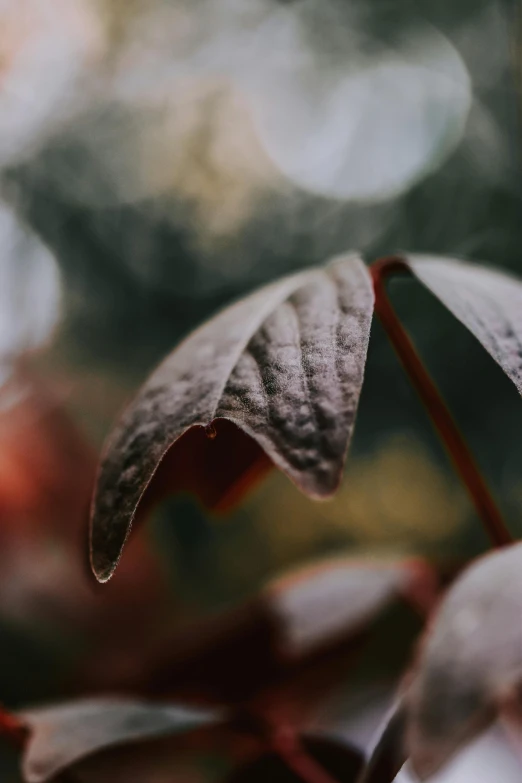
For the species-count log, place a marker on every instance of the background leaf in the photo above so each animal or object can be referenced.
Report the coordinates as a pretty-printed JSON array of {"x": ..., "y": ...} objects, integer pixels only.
[
  {"x": 487, "y": 758},
  {"x": 62, "y": 735},
  {"x": 470, "y": 662},
  {"x": 285, "y": 364},
  {"x": 388, "y": 755},
  {"x": 317, "y": 604},
  {"x": 283, "y": 651}
]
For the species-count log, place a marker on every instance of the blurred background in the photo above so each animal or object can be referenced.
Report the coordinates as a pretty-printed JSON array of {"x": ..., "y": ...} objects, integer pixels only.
[{"x": 159, "y": 158}]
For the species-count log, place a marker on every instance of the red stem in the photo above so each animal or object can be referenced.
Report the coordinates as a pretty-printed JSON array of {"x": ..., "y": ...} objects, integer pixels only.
[
  {"x": 442, "y": 419},
  {"x": 287, "y": 745}
]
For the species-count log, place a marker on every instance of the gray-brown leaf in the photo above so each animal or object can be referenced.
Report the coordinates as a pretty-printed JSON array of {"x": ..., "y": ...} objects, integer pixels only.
[
  {"x": 64, "y": 734},
  {"x": 470, "y": 663},
  {"x": 387, "y": 755},
  {"x": 318, "y": 604},
  {"x": 486, "y": 301},
  {"x": 285, "y": 365}
]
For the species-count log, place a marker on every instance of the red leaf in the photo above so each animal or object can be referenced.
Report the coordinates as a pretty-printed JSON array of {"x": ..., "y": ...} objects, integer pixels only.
[{"x": 46, "y": 466}]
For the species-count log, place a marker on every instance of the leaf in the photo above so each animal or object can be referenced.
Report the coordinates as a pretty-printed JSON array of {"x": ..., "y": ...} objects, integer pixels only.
[
  {"x": 46, "y": 465},
  {"x": 64, "y": 734},
  {"x": 486, "y": 301},
  {"x": 487, "y": 759},
  {"x": 339, "y": 759},
  {"x": 291, "y": 643},
  {"x": 318, "y": 603},
  {"x": 285, "y": 365},
  {"x": 387, "y": 756},
  {"x": 470, "y": 662}
]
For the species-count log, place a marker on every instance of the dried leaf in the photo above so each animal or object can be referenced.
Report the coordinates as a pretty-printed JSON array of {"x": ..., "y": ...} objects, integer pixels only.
[
  {"x": 470, "y": 663},
  {"x": 486, "y": 301},
  {"x": 64, "y": 734},
  {"x": 337, "y": 758},
  {"x": 285, "y": 365}
]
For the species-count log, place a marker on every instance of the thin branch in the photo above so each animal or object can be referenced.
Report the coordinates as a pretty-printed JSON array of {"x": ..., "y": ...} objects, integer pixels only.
[{"x": 442, "y": 419}]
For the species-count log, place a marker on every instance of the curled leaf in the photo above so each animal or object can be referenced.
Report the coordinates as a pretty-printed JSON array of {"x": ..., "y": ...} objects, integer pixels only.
[
  {"x": 488, "y": 302},
  {"x": 471, "y": 661},
  {"x": 285, "y": 365},
  {"x": 64, "y": 734}
]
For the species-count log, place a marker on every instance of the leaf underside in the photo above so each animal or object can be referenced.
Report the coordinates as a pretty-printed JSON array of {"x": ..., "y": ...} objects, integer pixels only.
[
  {"x": 285, "y": 366},
  {"x": 471, "y": 661}
]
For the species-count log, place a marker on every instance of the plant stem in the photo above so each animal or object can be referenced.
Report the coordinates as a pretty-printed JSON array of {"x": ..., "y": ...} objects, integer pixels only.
[
  {"x": 289, "y": 748},
  {"x": 442, "y": 419}
]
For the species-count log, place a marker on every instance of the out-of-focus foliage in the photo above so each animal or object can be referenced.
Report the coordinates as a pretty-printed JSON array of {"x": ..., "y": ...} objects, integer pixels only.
[{"x": 30, "y": 292}]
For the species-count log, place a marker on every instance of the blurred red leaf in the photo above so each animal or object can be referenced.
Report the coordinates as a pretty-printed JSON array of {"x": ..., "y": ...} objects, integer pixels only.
[
  {"x": 46, "y": 466},
  {"x": 47, "y": 470},
  {"x": 281, "y": 652},
  {"x": 285, "y": 365}
]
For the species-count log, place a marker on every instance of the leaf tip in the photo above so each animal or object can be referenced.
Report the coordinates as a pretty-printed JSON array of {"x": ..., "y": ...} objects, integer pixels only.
[{"x": 102, "y": 568}]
